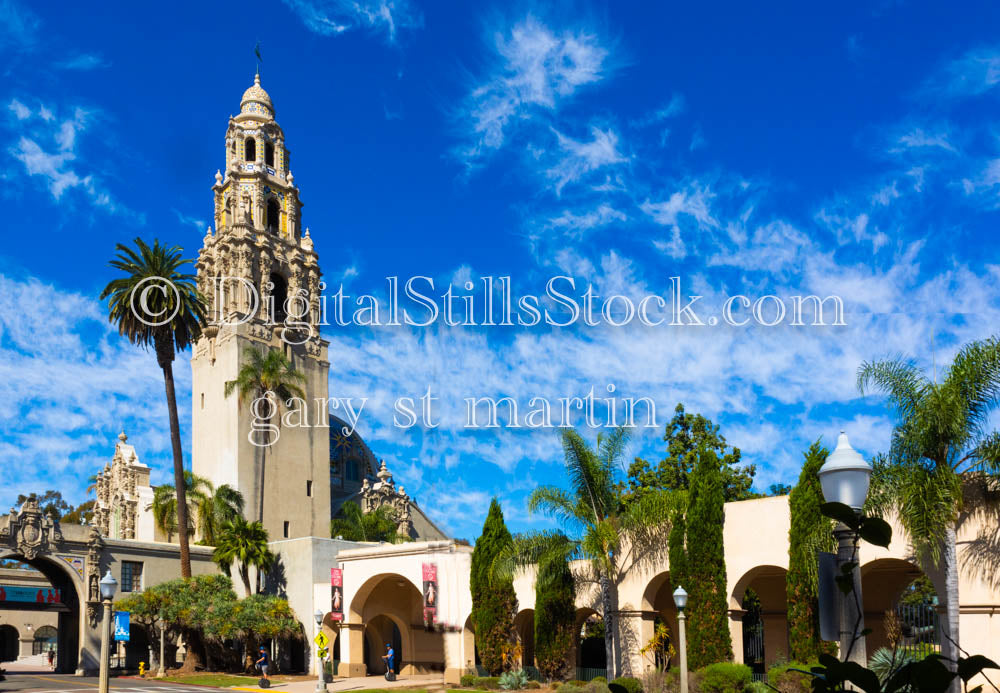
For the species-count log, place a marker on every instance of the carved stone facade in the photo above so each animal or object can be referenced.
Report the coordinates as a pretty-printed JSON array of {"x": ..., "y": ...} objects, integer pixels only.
[
  {"x": 124, "y": 496},
  {"x": 384, "y": 493},
  {"x": 29, "y": 531}
]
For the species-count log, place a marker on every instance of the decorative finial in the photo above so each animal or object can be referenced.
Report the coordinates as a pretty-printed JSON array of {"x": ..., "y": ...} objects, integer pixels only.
[
  {"x": 122, "y": 437},
  {"x": 307, "y": 232},
  {"x": 291, "y": 178},
  {"x": 218, "y": 177},
  {"x": 256, "y": 78}
]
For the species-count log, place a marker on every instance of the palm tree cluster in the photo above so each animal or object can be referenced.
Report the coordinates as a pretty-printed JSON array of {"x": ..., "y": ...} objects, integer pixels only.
[
  {"x": 211, "y": 507},
  {"x": 613, "y": 535},
  {"x": 942, "y": 456},
  {"x": 352, "y": 524}
]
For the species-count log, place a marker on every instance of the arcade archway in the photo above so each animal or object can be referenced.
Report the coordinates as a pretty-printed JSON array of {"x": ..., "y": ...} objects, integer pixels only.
[
  {"x": 883, "y": 583},
  {"x": 524, "y": 624},
  {"x": 659, "y": 598},
  {"x": 760, "y": 595},
  {"x": 67, "y": 585},
  {"x": 9, "y": 643}
]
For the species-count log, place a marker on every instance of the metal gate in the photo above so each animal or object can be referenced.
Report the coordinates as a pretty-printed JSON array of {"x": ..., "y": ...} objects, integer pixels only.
[
  {"x": 753, "y": 644},
  {"x": 919, "y": 629}
]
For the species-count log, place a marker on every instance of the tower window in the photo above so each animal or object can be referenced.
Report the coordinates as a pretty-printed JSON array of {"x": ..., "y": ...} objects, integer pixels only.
[
  {"x": 279, "y": 294},
  {"x": 309, "y": 488},
  {"x": 269, "y": 154},
  {"x": 232, "y": 146},
  {"x": 250, "y": 150},
  {"x": 202, "y": 400},
  {"x": 286, "y": 529},
  {"x": 273, "y": 214}
]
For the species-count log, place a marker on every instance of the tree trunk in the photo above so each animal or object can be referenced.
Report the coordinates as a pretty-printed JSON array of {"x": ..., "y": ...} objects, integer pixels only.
[
  {"x": 609, "y": 627},
  {"x": 192, "y": 652},
  {"x": 949, "y": 624},
  {"x": 165, "y": 355},
  {"x": 263, "y": 460},
  {"x": 245, "y": 576}
]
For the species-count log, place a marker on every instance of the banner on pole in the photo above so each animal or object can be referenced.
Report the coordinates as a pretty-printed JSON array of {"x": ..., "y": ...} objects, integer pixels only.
[
  {"x": 337, "y": 594},
  {"x": 121, "y": 625},
  {"x": 431, "y": 597}
]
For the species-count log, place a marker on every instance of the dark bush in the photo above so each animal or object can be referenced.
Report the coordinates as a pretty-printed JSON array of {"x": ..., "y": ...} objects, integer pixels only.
[
  {"x": 631, "y": 685},
  {"x": 487, "y": 683},
  {"x": 724, "y": 677},
  {"x": 468, "y": 680}
]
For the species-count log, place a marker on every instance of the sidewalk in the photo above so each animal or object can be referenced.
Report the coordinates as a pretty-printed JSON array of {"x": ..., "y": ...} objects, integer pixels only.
[{"x": 429, "y": 681}]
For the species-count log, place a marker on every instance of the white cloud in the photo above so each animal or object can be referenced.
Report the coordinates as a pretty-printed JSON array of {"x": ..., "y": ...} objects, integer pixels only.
[
  {"x": 694, "y": 202},
  {"x": 84, "y": 61},
  {"x": 333, "y": 17},
  {"x": 536, "y": 68},
  {"x": 574, "y": 223},
  {"x": 918, "y": 138},
  {"x": 975, "y": 73},
  {"x": 21, "y": 111},
  {"x": 578, "y": 158}
]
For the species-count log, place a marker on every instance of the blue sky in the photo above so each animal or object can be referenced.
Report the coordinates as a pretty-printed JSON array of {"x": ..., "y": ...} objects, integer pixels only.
[{"x": 782, "y": 149}]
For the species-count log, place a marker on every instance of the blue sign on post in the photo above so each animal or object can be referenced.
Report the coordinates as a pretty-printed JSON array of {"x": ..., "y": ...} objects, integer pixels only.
[{"x": 121, "y": 625}]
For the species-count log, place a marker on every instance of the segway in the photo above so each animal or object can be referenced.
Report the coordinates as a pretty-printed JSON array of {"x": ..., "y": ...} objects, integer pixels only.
[{"x": 263, "y": 682}]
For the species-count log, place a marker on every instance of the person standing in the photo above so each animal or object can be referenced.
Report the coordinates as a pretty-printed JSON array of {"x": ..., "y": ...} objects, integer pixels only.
[
  {"x": 389, "y": 656},
  {"x": 52, "y": 658},
  {"x": 264, "y": 663}
]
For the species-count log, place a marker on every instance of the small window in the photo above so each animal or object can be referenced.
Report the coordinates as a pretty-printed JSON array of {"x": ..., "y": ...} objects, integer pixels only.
[
  {"x": 202, "y": 400},
  {"x": 250, "y": 150},
  {"x": 273, "y": 215},
  {"x": 131, "y": 576},
  {"x": 269, "y": 154},
  {"x": 353, "y": 467},
  {"x": 309, "y": 488},
  {"x": 286, "y": 529},
  {"x": 232, "y": 146}
]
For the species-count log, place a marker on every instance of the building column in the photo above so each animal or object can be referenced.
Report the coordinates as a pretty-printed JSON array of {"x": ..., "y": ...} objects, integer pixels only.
[
  {"x": 454, "y": 656},
  {"x": 352, "y": 650},
  {"x": 636, "y": 629},
  {"x": 736, "y": 633},
  {"x": 24, "y": 645}
]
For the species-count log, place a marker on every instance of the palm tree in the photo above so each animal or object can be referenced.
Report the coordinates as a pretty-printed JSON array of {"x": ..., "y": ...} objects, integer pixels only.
[
  {"x": 212, "y": 507},
  {"x": 941, "y": 450},
  {"x": 156, "y": 304},
  {"x": 265, "y": 377},
  {"x": 614, "y": 536},
  {"x": 243, "y": 543},
  {"x": 354, "y": 525}
]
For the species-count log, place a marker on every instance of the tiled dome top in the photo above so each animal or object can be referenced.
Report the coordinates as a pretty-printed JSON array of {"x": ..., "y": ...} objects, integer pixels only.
[{"x": 255, "y": 98}]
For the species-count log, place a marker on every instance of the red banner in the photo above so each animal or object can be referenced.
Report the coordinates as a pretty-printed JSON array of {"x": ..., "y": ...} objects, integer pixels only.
[
  {"x": 431, "y": 596},
  {"x": 337, "y": 594}
]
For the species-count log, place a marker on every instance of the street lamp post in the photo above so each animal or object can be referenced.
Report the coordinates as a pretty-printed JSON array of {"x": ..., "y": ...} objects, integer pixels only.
[
  {"x": 321, "y": 677},
  {"x": 845, "y": 477},
  {"x": 681, "y": 600},
  {"x": 108, "y": 588}
]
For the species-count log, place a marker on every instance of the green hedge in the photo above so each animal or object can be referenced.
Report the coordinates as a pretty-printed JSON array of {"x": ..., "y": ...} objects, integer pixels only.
[
  {"x": 724, "y": 677},
  {"x": 468, "y": 680},
  {"x": 487, "y": 683},
  {"x": 787, "y": 681},
  {"x": 631, "y": 685}
]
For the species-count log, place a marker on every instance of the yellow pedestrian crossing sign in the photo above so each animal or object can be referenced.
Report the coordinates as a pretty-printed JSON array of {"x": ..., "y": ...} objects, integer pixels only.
[{"x": 321, "y": 640}]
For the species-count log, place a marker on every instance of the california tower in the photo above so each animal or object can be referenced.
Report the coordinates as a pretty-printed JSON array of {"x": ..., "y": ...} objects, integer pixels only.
[{"x": 261, "y": 277}]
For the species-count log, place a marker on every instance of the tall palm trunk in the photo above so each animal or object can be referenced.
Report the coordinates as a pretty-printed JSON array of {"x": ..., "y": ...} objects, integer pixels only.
[
  {"x": 165, "y": 356},
  {"x": 263, "y": 460},
  {"x": 245, "y": 577},
  {"x": 949, "y": 625}
]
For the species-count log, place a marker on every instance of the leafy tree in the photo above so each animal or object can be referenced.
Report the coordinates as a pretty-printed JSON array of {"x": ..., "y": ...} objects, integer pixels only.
[
  {"x": 778, "y": 489},
  {"x": 155, "y": 291},
  {"x": 354, "y": 525},
  {"x": 80, "y": 514},
  {"x": 809, "y": 532},
  {"x": 616, "y": 533},
  {"x": 941, "y": 442},
  {"x": 243, "y": 543},
  {"x": 555, "y": 615},
  {"x": 266, "y": 377},
  {"x": 708, "y": 634},
  {"x": 51, "y": 503},
  {"x": 494, "y": 604},
  {"x": 685, "y": 435},
  {"x": 677, "y": 553}
]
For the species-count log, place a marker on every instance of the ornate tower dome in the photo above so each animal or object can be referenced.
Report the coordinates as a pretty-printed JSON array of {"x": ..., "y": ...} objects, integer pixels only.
[{"x": 256, "y": 101}]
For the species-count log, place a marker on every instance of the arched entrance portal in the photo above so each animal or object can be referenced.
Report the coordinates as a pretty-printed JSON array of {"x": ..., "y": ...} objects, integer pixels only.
[
  {"x": 760, "y": 595},
  {"x": 591, "y": 654},
  {"x": 9, "y": 643},
  {"x": 524, "y": 624},
  {"x": 62, "y": 579},
  {"x": 894, "y": 588},
  {"x": 46, "y": 639},
  {"x": 385, "y": 605},
  {"x": 659, "y": 598}
]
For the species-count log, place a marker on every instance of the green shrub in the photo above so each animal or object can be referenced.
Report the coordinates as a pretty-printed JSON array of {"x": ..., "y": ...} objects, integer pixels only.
[
  {"x": 725, "y": 677},
  {"x": 575, "y": 682},
  {"x": 885, "y": 661},
  {"x": 570, "y": 688},
  {"x": 487, "y": 683},
  {"x": 786, "y": 680},
  {"x": 533, "y": 685},
  {"x": 631, "y": 685},
  {"x": 600, "y": 679},
  {"x": 514, "y": 680},
  {"x": 468, "y": 680}
]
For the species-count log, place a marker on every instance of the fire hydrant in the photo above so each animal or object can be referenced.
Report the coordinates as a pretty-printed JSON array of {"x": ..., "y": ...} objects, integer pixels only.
[{"x": 142, "y": 669}]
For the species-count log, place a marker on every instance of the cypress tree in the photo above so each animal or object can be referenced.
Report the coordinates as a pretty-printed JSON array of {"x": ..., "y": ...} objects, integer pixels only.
[
  {"x": 555, "y": 616},
  {"x": 676, "y": 553},
  {"x": 809, "y": 532},
  {"x": 494, "y": 604},
  {"x": 708, "y": 634}
]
